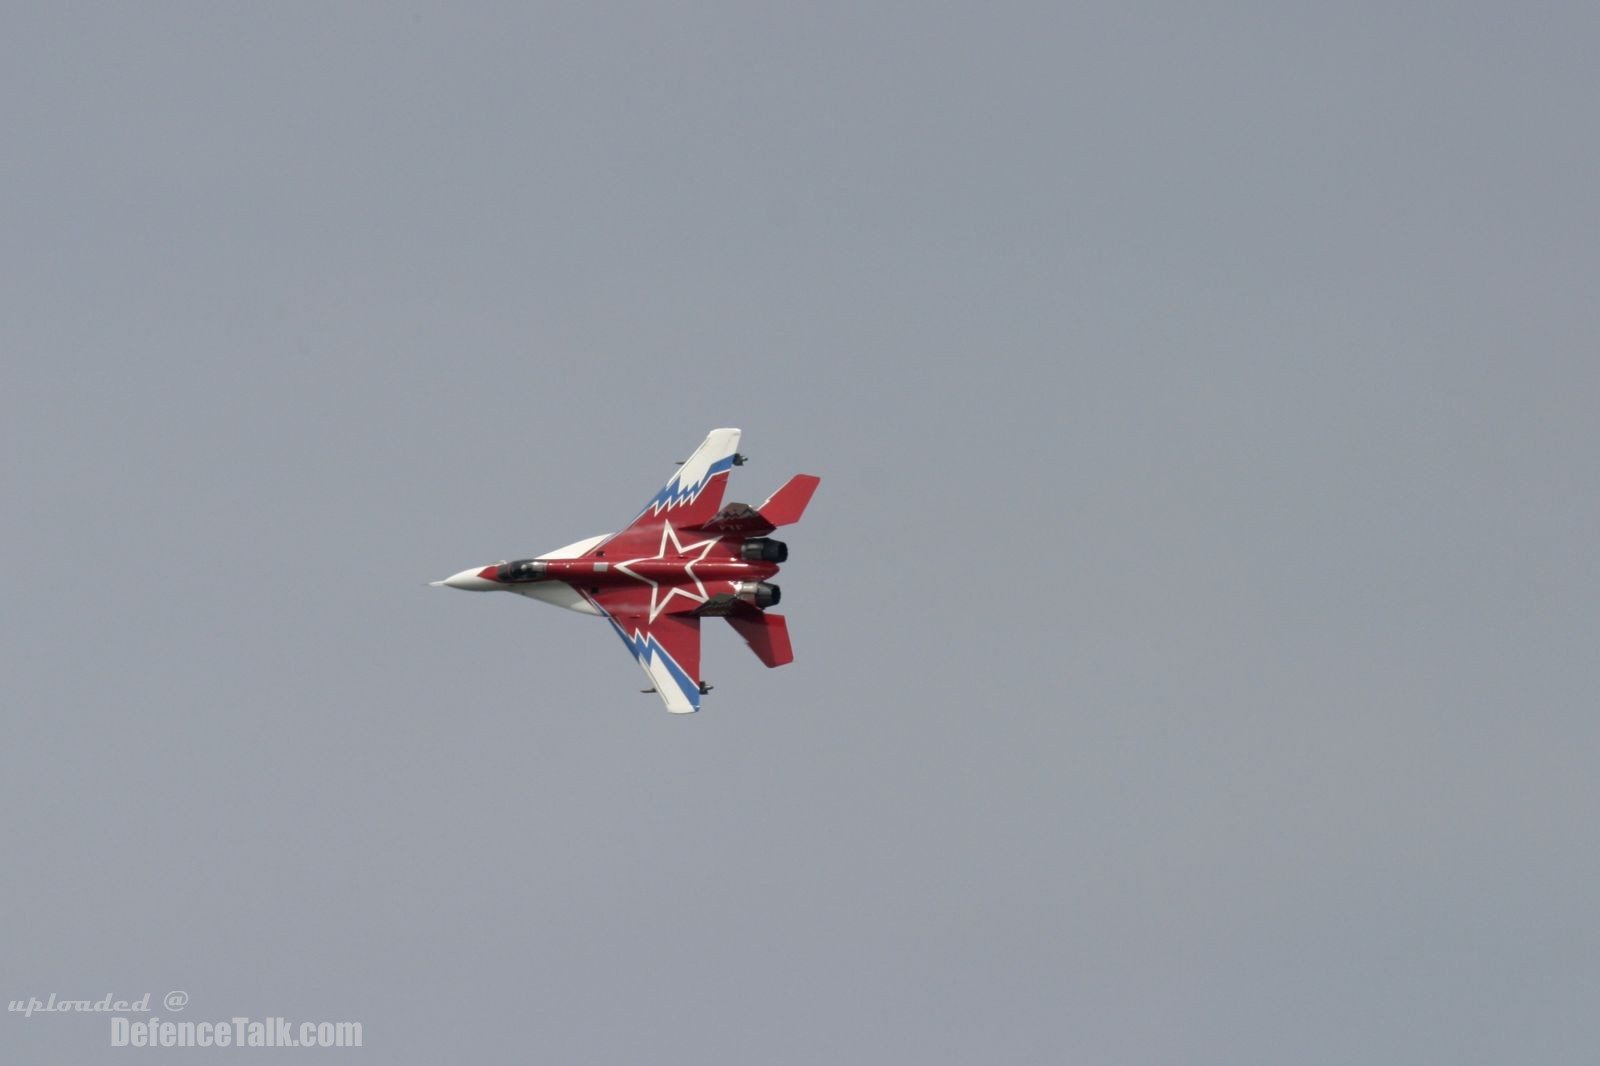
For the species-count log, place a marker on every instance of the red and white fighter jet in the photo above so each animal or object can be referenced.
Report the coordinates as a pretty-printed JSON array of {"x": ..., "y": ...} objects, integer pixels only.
[{"x": 685, "y": 557}]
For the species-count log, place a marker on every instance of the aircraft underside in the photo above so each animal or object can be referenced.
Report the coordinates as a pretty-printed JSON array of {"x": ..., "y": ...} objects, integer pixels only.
[{"x": 682, "y": 559}]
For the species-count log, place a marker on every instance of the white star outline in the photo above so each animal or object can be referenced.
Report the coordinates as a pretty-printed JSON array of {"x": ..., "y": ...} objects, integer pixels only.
[{"x": 668, "y": 533}]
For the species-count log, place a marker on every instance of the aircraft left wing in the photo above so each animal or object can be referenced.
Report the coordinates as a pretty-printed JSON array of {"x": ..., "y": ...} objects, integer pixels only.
[
  {"x": 690, "y": 497},
  {"x": 667, "y": 648}
]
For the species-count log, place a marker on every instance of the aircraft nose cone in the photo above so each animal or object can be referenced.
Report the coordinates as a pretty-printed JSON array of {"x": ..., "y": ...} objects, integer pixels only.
[{"x": 473, "y": 580}]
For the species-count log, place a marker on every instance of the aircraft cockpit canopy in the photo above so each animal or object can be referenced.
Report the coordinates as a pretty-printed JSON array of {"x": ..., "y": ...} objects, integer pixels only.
[{"x": 519, "y": 570}]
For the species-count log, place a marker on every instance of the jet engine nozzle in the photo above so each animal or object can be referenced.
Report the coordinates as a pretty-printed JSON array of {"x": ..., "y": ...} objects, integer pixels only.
[
  {"x": 760, "y": 593},
  {"x": 764, "y": 549}
]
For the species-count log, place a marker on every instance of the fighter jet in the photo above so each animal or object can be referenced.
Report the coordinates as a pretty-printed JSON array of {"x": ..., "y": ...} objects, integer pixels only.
[{"x": 684, "y": 558}]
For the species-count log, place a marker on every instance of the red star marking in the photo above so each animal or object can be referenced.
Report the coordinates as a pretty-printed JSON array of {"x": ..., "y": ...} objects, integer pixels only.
[{"x": 658, "y": 603}]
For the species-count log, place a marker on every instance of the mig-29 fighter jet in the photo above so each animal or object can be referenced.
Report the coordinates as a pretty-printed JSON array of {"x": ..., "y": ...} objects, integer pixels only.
[{"x": 684, "y": 558}]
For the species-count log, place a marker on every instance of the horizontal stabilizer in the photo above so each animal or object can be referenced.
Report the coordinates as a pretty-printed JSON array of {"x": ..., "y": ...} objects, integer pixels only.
[
  {"x": 785, "y": 506},
  {"x": 767, "y": 635}
]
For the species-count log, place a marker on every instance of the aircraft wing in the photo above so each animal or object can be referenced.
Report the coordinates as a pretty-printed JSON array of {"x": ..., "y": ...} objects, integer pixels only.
[
  {"x": 668, "y": 648},
  {"x": 690, "y": 497}
]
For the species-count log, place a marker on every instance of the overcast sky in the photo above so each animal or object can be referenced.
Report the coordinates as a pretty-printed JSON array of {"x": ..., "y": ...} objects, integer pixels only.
[{"x": 1195, "y": 627}]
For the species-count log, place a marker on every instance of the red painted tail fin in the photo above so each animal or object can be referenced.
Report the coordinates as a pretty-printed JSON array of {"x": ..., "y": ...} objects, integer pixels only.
[
  {"x": 767, "y": 635},
  {"x": 785, "y": 506}
]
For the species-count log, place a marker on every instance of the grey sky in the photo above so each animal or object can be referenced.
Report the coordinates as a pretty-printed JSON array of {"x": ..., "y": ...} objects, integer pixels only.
[{"x": 1195, "y": 627}]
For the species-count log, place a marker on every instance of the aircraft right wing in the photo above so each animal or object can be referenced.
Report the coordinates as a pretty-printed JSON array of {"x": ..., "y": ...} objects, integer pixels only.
[{"x": 667, "y": 647}]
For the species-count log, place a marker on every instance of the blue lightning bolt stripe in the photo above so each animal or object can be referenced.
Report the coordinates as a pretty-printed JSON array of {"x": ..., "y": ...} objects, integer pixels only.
[
  {"x": 642, "y": 645},
  {"x": 672, "y": 493}
]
